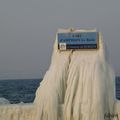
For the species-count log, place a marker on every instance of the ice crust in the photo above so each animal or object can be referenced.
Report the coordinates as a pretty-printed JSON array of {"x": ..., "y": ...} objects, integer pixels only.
[
  {"x": 17, "y": 112},
  {"x": 82, "y": 81},
  {"x": 79, "y": 85}
]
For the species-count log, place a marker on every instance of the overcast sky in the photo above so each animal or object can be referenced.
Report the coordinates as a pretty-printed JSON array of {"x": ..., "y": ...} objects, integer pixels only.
[{"x": 28, "y": 27}]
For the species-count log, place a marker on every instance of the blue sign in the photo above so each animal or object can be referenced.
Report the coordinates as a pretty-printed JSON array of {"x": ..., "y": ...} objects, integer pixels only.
[{"x": 81, "y": 40}]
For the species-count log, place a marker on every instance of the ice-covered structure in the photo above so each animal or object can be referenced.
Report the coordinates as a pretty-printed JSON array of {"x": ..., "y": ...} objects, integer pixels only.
[
  {"x": 81, "y": 81},
  {"x": 79, "y": 85}
]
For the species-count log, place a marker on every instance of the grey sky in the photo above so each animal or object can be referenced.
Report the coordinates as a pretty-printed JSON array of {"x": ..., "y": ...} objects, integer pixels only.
[{"x": 28, "y": 27}]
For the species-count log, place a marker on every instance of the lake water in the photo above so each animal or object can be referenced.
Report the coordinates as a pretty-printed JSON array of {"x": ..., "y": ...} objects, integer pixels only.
[
  {"x": 23, "y": 90},
  {"x": 16, "y": 91}
]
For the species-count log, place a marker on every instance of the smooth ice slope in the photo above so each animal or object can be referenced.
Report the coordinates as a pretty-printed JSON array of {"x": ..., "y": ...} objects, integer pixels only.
[
  {"x": 79, "y": 85},
  {"x": 4, "y": 101}
]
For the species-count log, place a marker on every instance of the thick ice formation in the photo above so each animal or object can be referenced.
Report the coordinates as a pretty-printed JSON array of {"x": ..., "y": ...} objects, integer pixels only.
[
  {"x": 17, "y": 112},
  {"x": 79, "y": 85},
  {"x": 81, "y": 81}
]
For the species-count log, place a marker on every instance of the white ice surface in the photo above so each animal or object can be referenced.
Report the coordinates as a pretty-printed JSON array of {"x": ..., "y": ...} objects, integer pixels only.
[
  {"x": 79, "y": 85},
  {"x": 81, "y": 81}
]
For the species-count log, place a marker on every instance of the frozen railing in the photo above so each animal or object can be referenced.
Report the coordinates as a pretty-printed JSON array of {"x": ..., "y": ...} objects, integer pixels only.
[{"x": 17, "y": 112}]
